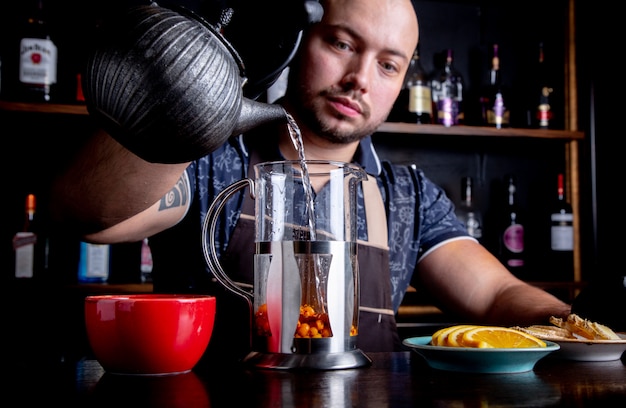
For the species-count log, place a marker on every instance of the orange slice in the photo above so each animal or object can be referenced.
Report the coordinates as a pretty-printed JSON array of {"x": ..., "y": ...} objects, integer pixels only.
[
  {"x": 455, "y": 337},
  {"x": 499, "y": 337},
  {"x": 440, "y": 338}
]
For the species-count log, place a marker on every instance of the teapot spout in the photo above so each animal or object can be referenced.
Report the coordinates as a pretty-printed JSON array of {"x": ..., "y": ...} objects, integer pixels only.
[{"x": 255, "y": 113}]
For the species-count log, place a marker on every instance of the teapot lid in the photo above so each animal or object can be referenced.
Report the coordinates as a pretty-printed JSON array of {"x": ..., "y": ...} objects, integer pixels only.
[{"x": 265, "y": 39}]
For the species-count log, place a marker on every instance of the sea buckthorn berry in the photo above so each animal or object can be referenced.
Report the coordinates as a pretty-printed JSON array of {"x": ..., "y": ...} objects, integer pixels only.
[
  {"x": 319, "y": 325},
  {"x": 307, "y": 311},
  {"x": 303, "y": 330},
  {"x": 312, "y": 324}
]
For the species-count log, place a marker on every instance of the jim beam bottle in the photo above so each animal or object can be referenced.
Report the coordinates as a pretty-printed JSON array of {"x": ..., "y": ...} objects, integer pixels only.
[{"x": 37, "y": 58}]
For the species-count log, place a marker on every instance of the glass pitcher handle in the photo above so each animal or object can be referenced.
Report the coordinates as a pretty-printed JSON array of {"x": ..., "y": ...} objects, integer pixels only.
[{"x": 208, "y": 238}]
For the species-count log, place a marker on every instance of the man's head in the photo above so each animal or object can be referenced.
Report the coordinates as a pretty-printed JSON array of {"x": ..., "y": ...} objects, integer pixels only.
[{"x": 351, "y": 66}]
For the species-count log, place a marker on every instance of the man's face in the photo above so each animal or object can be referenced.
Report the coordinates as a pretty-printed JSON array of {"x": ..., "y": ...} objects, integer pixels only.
[{"x": 351, "y": 67}]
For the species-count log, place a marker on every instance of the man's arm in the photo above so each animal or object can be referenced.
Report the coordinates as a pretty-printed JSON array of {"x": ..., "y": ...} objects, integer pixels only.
[
  {"x": 470, "y": 282},
  {"x": 108, "y": 194}
]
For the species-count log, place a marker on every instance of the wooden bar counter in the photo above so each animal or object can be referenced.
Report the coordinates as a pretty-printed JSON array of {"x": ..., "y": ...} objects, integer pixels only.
[{"x": 400, "y": 379}]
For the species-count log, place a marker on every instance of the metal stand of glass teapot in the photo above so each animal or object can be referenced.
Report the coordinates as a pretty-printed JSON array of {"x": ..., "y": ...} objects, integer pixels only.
[{"x": 305, "y": 296}]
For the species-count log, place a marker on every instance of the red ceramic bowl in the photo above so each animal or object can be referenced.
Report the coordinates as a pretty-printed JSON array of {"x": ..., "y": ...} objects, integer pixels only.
[{"x": 149, "y": 334}]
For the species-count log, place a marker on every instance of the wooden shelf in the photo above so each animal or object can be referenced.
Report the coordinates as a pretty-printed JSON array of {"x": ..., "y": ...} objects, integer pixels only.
[
  {"x": 387, "y": 127},
  {"x": 569, "y": 138},
  {"x": 478, "y": 131},
  {"x": 53, "y": 108},
  {"x": 108, "y": 288},
  {"x": 38, "y": 286}
]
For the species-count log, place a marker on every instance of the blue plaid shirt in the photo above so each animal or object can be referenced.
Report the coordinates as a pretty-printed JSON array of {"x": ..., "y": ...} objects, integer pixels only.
[{"x": 419, "y": 214}]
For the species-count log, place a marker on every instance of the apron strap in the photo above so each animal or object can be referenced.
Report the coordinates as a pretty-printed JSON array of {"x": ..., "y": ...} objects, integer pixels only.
[{"x": 375, "y": 215}]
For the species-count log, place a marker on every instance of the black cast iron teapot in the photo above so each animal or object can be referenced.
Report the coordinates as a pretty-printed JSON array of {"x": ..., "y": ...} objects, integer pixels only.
[{"x": 167, "y": 85}]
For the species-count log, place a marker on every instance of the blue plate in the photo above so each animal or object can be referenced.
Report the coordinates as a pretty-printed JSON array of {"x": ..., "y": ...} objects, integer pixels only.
[{"x": 479, "y": 360}]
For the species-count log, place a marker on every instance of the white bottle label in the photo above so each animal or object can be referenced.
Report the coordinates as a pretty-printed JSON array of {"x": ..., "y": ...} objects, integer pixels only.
[
  {"x": 24, "y": 245},
  {"x": 498, "y": 115},
  {"x": 146, "y": 262},
  {"x": 38, "y": 61},
  {"x": 473, "y": 226},
  {"x": 146, "y": 257},
  {"x": 94, "y": 262},
  {"x": 562, "y": 232}
]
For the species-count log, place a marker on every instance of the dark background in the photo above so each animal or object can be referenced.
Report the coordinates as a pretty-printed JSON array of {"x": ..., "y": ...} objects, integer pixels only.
[
  {"x": 468, "y": 27},
  {"x": 37, "y": 146}
]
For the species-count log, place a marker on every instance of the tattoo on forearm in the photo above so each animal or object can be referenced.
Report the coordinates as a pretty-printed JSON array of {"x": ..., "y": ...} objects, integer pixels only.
[{"x": 177, "y": 196}]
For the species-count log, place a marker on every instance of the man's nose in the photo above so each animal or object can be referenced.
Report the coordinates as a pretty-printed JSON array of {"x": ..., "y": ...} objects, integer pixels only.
[{"x": 357, "y": 76}]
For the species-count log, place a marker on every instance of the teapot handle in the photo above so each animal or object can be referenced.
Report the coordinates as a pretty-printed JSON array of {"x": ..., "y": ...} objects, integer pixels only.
[{"x": 208, "y": 239}]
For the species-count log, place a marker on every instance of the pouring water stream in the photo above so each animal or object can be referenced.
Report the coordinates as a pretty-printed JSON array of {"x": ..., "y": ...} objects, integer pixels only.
[{"x": 296, "y": 138}]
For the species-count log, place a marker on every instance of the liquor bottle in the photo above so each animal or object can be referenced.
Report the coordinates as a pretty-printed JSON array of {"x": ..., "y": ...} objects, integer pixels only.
[
  {"x": 495, "y": 110},
  {"x": 146, "y": 262},
  {"x": 544, "y": 91},
  {"x": 24, "y": 242},
  {"x": 37, "y": 58},
  {"x": 414, "y": 103},
  {"x": 447, "y": 92},
  {"x": 94, "y": 263},
  {"x": 512, "y": 242},
  {"x": 467, "y": 212},
  {"x": 561, "y": 234}
]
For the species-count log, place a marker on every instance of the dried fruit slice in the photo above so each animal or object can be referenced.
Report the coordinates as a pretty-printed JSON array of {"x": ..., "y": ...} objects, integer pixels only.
[
  {"x": 584, "y": 328},
  {"x": 547, "y": 332},
  {"x": 499, "y": 337}
]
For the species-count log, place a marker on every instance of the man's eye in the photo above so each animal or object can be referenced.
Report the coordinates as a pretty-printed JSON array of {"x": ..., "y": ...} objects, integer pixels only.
[
  {"x": 388, "y": 67},
  {"x": 342, "y": 45}
]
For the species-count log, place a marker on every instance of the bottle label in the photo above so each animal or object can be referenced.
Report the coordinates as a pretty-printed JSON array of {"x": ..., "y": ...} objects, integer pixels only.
[
  {"x": 544, "y": 110},
  {"x": 22, "y": 239},
  {"x": 24, "y": 246},
  {"x": 513, "y": 238},
  {"x": 447, "y": 111},
  {"x": 94, "y": 263},
  {"x": 543, "y": 115},
  {"x": 420, "y": 99},
  {"x": 562, "y": 232},
  {"x": 498, "y": 115},
  {"x": 473, "y": 226},
  {"x": 146, "y": 262},
  {"x": 38, "y": 61}
]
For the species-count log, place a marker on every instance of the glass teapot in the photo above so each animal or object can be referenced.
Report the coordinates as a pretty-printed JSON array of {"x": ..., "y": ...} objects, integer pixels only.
[{"x": 305, "y": 296}]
